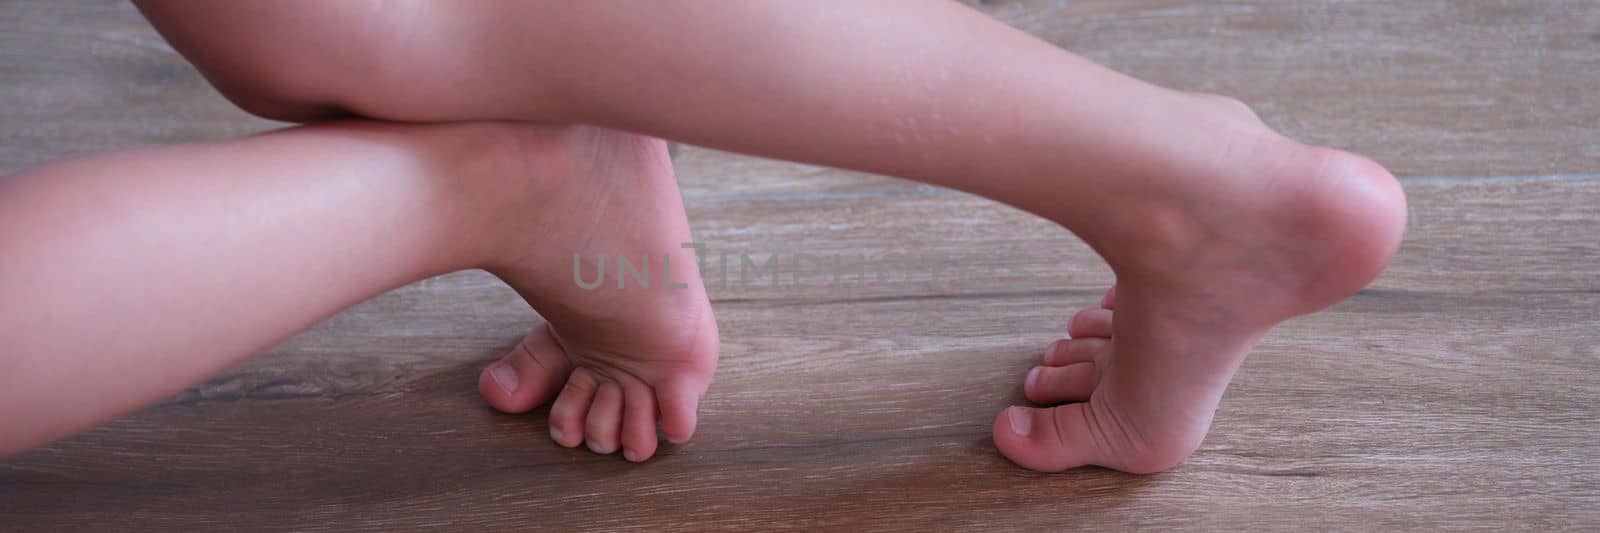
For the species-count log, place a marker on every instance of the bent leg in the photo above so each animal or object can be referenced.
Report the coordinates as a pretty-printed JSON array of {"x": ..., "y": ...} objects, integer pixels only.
[
  {"x": 1217, "y": 227},
  {"x": 931, "y": 91},
  {"x": 126, "y": 276},
  {"x": 136, "y": 273}
]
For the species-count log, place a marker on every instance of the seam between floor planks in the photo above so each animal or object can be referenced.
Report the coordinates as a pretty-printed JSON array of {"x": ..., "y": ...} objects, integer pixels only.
[{"x": 929, "y": 190}]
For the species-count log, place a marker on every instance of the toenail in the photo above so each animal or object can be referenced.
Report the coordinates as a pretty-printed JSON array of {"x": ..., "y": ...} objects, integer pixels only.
[
  {"x": 595, "y": 447},
  {"x": 1033, "y": 379},
  {"x": 505, "y": 376},
  {"x": 1050, "y": 351},
  {"x": 1021, "y": 420},
  {"x": 629, "y": 455},
  {"x": 555, "y": 435}
]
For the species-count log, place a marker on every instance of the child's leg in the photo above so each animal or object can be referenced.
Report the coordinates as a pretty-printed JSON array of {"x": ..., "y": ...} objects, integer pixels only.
[
  {"x": 1217, "y": 227},
  {"x": 127, "y": 276}
]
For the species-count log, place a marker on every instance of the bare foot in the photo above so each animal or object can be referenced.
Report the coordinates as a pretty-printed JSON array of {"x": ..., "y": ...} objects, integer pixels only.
[
  {"x": 617, "y": 360},
  {"x": 1208, "y": 256}
]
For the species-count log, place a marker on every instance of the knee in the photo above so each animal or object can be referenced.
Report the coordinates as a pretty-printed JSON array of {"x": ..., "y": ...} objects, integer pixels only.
[
  {"x": 276, "y": 61},
  {"x": 284, "y": 83},
  {"x": 309, "y": 60},
  {"x": 276, "y": 95}
]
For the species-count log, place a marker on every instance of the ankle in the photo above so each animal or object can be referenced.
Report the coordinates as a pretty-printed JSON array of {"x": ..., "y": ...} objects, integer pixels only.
[
  {"x": 524, "y": 181},
  {"x": 485, "y": 176}
]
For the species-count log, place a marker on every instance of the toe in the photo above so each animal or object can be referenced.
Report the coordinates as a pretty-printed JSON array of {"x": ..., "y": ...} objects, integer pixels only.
[
  {"x": 638, "y": 420},
  {"x": 1069, "y": 351},
  {"x": 679, "y": 401},
  {"x": 528, "y": 376},
  {"x": 1056, "y": 384},
  {"x": 571, "y": 410},
  {"x": 602, "y": 430},
  {"x": 1110, "y": 300},
  {"x": 1090, "y": 323},
  {"x": 1073, "y": 435},
  {"x": 1048, "y": 440}
]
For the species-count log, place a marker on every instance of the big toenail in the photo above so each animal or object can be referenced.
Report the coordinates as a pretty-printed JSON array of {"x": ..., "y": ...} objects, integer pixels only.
[
  {"x": 1033, "y": 378},
  {"x": 1021, "y": 420},
  {"x": 555, "y": 435},
  {"x": 505, "y": 376}
]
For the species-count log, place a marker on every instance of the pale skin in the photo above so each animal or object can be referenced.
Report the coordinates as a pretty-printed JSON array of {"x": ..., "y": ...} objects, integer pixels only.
[
  {"x": 134, "y": 274},
  {"x": 1216, "y": 227}
]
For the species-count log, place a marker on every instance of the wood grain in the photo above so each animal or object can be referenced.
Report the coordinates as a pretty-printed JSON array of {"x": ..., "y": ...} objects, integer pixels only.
[{"x": 1457, "y": 392}]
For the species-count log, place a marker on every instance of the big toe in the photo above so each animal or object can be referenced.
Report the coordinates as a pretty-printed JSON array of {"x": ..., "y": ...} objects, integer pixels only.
[
  {"x": 679, "y": 403},
  {"x": 1068, "y": 436},
  {"x": 1048, "y": 440},
  {"x": 528, "y": 376}
]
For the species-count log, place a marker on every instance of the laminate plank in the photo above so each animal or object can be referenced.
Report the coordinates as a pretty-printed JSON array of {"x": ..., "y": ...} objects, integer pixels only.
[{"x": 876, "y": 414}]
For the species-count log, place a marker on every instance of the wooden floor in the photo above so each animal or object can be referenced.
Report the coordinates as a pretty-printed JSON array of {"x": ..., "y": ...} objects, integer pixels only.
[{"x": 1460, "y": 390}]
